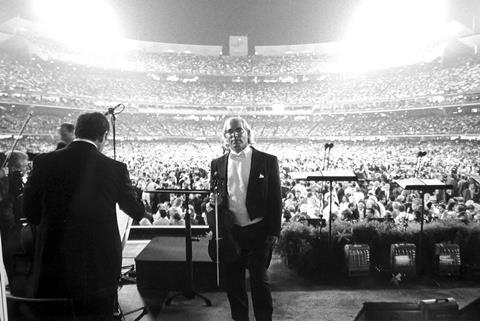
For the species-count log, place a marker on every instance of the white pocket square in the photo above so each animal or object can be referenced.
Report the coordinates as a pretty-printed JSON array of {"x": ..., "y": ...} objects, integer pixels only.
[{"x": 261, "y": 176}]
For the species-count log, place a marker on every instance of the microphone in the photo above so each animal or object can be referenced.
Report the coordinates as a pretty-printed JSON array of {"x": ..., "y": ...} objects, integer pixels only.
[
  {"x": 326, "y": 145},
  {"x": 111, "y": 111},
  {"x": 330, "y": 146},
  {"x": 421, "y": 154}
]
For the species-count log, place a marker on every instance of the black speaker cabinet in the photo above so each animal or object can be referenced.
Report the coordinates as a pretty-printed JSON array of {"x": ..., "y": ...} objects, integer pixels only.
[
  {"x": 392, "y": 311},
  {"x": 162, "y": 265}
]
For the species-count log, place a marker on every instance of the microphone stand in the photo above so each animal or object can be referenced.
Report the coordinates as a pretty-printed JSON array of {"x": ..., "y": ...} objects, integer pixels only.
[
  {"x": 420, "y": 155},
  {"x": 189, "y": 292},
  {"x": 324, "y": 156},
  {"x": 330, "y": 146},
  {"x": 113, "y": 112},
  {"x": 215, "y": 191},
  {"x": 324, "y": 160}
]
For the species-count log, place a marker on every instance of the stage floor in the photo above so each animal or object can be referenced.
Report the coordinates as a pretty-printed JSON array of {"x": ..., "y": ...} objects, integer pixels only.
[{"x": 294, "y": 298}]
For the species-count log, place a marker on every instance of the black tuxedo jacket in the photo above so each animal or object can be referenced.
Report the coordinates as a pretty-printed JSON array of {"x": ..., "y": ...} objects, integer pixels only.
[
  {"x": 71, "y": 195},
  {"x": 263, "y": 191}
]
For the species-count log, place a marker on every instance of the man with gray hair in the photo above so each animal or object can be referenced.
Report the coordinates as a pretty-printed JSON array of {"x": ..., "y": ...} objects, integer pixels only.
[{"x": 248, "y": 184}]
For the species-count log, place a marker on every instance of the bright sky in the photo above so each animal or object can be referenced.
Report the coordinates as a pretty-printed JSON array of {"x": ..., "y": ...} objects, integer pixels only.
[
  {"x": 385, "y": 33},
  {"x": 87, "y": 25}
]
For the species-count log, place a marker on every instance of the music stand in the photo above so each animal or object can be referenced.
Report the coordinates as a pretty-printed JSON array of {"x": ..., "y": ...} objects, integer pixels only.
[
  {"x": 327, "y": 176},
  {"x": 124, "y": 225},
  {"x": 190, "y": 292},
  {"x": 423, "y": 186}
]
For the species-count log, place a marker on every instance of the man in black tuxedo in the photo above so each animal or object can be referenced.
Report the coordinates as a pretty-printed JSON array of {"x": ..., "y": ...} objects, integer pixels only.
[
  {"x": 71, "y": 194},
  {"x": 66, "y": 133},
  {"x": 249, "y": 186}
]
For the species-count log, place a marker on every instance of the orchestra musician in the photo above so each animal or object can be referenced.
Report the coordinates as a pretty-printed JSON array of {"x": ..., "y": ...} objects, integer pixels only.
[{"x": 71, "y": 195}]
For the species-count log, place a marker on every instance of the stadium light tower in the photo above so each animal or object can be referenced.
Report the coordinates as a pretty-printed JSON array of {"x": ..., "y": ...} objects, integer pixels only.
[
  {"x": 88, "y": 25},
  {"x": 385, "y": 33}
]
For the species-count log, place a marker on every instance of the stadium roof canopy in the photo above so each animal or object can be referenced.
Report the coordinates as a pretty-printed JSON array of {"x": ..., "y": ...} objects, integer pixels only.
[{"x": 266, "y": 22}]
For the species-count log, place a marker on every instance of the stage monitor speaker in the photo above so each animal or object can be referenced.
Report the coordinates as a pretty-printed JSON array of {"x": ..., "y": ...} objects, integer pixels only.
[
  {"x": 357, "y": 259},
  {"x": 162, "y": 265},
  {"x": 402, "y": 258},
  {"x": 392, "y": 311},
  {"x": 447, "y": 259}
]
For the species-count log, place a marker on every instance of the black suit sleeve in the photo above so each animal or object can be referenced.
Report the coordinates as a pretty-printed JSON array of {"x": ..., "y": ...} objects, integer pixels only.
[
  {"x": 32, "y": 193},
  {"x": 274, "y": 199},
  {"x": 127, "y": 197}
]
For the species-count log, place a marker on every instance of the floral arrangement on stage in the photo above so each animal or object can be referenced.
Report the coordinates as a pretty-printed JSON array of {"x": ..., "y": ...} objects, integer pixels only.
[{"x": 306, "y": 250}]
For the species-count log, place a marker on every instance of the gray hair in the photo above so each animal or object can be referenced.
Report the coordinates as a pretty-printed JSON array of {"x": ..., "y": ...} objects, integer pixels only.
[
  {"x": 15, "y": 158},
  {"x": 245, "y": 125}
]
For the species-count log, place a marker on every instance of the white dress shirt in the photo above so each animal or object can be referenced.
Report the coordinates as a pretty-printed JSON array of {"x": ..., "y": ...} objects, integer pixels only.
[
  {"x": 85, "y": 140},
  {"x": 238, "y": 173}
]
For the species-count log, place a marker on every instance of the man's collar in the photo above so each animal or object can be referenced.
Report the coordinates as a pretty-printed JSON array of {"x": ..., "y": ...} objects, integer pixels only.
[
  {"x": 246, "y": 151},
  {"x": 86, "y": 141}
]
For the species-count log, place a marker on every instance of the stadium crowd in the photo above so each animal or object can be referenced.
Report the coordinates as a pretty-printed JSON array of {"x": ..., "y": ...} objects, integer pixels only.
[
  {"x": 376, "y": 197},
  {"x": 157, "y": 165},
  {"x": 165, "y": 80},
  {"x": 33, "y": 80},
  {"x": 46, "y": 120}
]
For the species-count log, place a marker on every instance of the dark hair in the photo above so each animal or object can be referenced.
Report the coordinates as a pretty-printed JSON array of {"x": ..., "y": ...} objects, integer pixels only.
[
  {"x": 91, "y": 126},
  {"x": 67, "y": 126},
  {"x": 163, "y": 213}
]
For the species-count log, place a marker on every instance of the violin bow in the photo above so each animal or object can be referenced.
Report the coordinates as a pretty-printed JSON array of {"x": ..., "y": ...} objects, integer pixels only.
[{"x": 17, "y": 139}]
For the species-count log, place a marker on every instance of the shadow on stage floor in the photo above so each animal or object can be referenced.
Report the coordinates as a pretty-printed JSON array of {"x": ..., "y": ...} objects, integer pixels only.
[{"x": 296, "y": 298}]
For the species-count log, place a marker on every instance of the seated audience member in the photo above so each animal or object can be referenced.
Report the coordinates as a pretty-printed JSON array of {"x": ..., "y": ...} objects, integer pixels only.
[
  {"x": 176, "y": 216},
  {"x": 471, "y": 193},
  {"x": 198, "y": 219},
  {"x": 161, "y": 218},
  {"x": 11, "y": 188},
  {"x": 470, "y": 210}
]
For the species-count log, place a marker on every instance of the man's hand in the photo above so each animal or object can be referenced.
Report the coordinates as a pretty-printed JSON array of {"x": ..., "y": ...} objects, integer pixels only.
[
  {"x": 213, "y": 199},
  {"x": 3, "y": 172}
]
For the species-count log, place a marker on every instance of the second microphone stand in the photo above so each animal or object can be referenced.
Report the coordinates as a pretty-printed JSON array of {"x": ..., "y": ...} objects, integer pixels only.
[
  {"x": 189, "y": 292},
  {"x": 113, "y": 112}
]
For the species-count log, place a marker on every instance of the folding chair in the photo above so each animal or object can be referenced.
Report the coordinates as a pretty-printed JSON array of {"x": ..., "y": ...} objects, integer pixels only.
[{"x": 23, "y": 308}]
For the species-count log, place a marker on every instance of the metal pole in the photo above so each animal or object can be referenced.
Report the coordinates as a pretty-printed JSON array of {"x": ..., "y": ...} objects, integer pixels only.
[
  {"x": 216, "y": 240},
  {"x": 330, "y": 216}
]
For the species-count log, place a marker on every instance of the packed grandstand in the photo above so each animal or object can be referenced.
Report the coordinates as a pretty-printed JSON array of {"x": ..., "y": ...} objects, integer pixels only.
[{"x": 176, "y": 102}]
